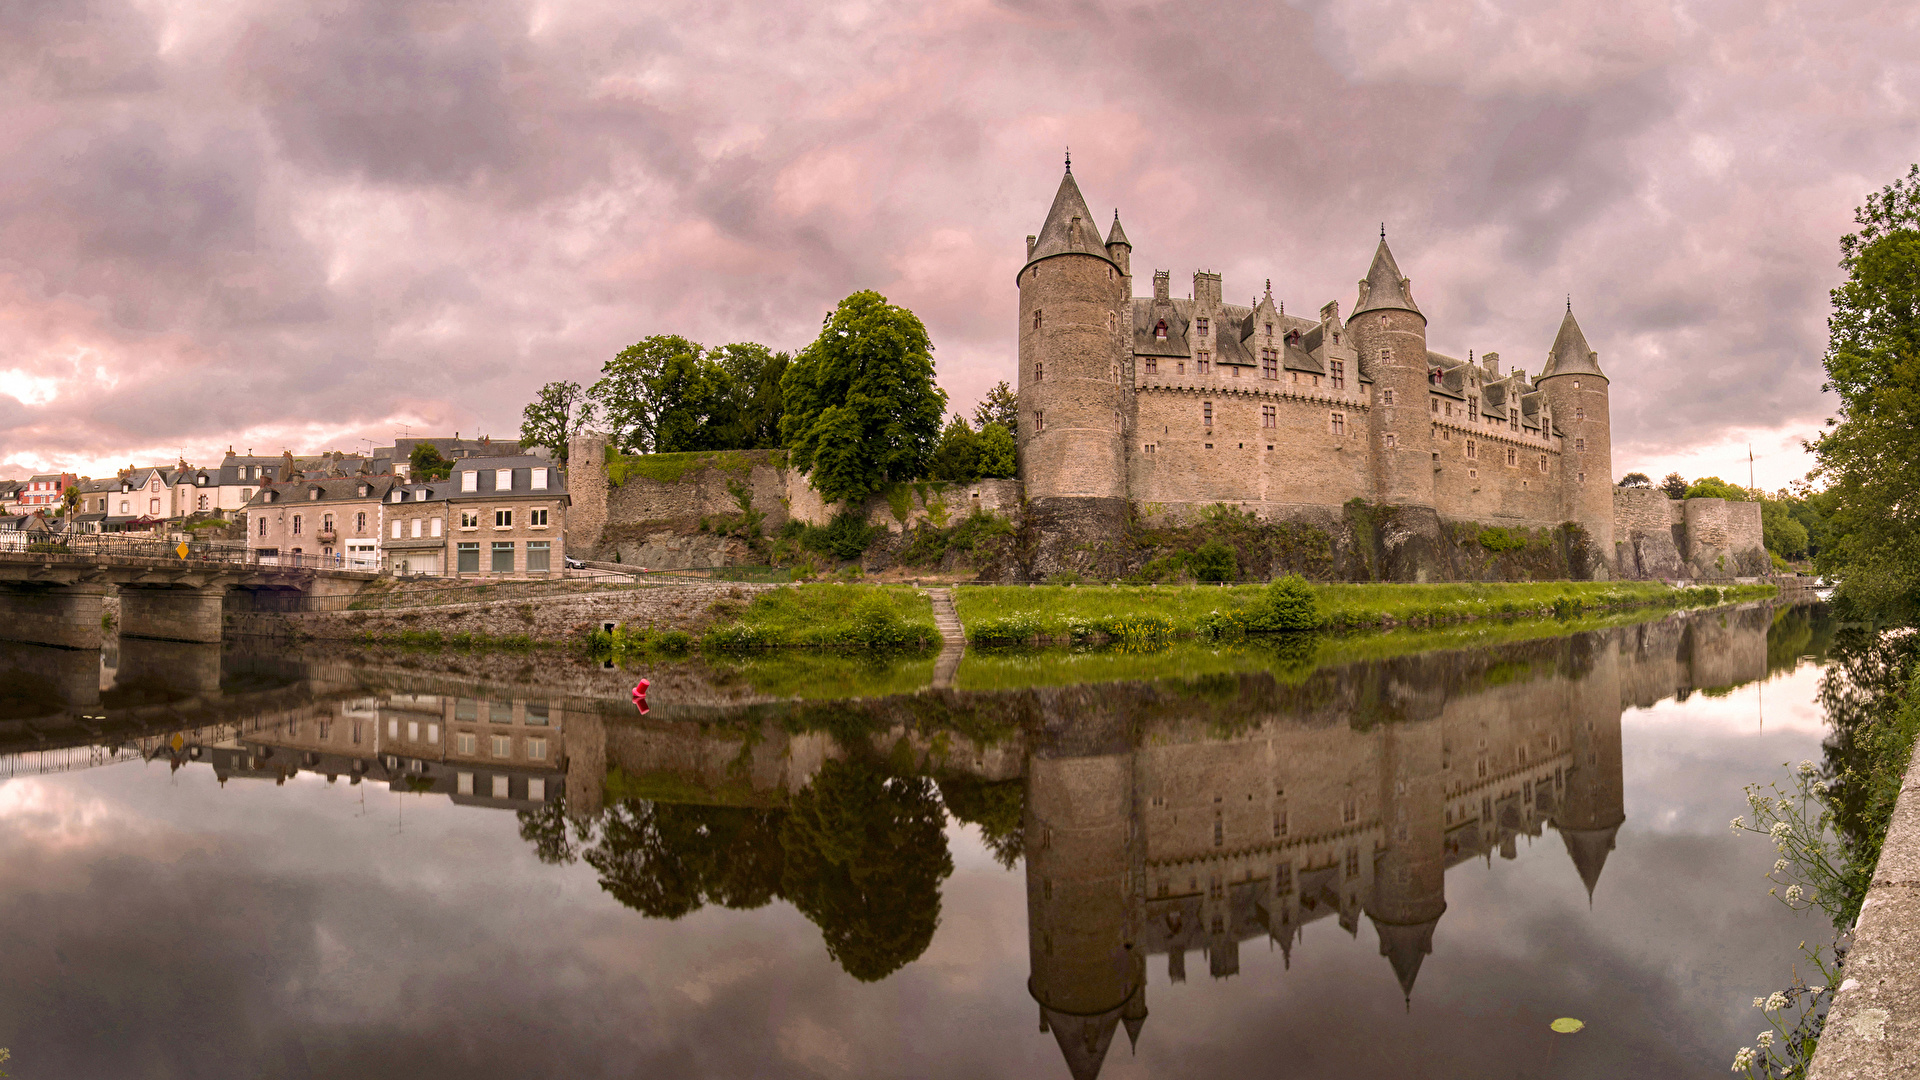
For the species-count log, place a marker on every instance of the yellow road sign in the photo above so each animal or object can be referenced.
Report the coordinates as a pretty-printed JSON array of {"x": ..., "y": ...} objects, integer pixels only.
[{"x": 182, "y": 549}]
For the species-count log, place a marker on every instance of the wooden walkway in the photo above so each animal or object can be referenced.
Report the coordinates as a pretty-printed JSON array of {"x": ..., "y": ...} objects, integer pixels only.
[{"x": 953, "y": 638}]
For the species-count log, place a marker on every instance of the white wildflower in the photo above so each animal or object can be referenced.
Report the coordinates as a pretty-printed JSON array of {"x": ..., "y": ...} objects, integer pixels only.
[
  {"x": 1779, "y": 831},
  {"x": 1776, "y": 1001},
  {"x": 1765, "y": 1039},
  {"x": 1779, "y": 866},
  {"x": 1743, "y": 1059},
  {"x": 1793, "y": 894},
  {"x": 1816, "y": 989},
  {"x": 1806, "y": 768},
  {"x": 1818, "y": 787},
  {"x": 1786, "y": 805},
  {"x": 1737, "y": 824},
  {"x": 1760, "y": 1003}
]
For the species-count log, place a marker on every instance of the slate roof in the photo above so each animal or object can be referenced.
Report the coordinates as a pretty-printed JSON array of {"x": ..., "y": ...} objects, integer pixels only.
[
  {"x": 1069, "y": 228},
  {"x": 1117, "y": 235},
  {"x": 1384, "y": 288},
  {"x": 522, "y": 466},
  {"x": 1570, "y": 354},
  {"x": 333, "y": 489}
]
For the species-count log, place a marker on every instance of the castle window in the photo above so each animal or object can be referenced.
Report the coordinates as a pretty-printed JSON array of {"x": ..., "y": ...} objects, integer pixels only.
[
  {"x": 1296, "y": 377},
  {"x": 296, "y": 524},
  {"x": 1576, "y": 384},
  {"x": 1473, "y": 474},
  {"x": 1269, "y": 416},
  {"x": 1206, "y": 413},
  {"x": 1386, "y": 354},
  {"x": 1269, "y": 364},
  {"x": 1583, "y": 478},
  {"x": 1316, "y": 380},
  {"x": 1580, "y": 444},
  {"x": 1579, "y": 414},
  {"x": 1109, "y": 320},
  {"x": 1446, "y": 435},
  {"x": 1473, "y": 408},
  {"x": 1038, "y": 318},
  {"x": 1236, "y": 371},
  {"x": 1513, "y": 420},
  {"x": 1543, "y": 463},
  {"x": 1513, "y": 456},
  {"x": 1435, "y": 402},
  {"x": 1473, "y": 450},
  {"x": 1160, "y": 330},
  {"x": 1153, "y": 366},
  {"x": 1039, "y": 420},
  {"x": 1386, "y": 397},
  {"x": 1039, "y": 369},
  {"x": 1389, "y": 440},
  {"x": 1339, "y": 374},
  {"x": 1269, "y": 329},
  {"x": 1337, "y": 422},
  {"x": 1148, "y": 449},
  {"x": 1200, "y": 361},
  {"x": 1200, "y": 327},
  {"x": 1350, "y": 812},
  {"x": 1179, "y": 367}
]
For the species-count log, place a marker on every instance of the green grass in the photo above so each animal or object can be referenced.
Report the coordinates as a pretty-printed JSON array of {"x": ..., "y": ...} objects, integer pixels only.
[
  {"x": 672, "y": 468},
  {"x": 833, "y": 615},
  {"x": 820, "y": 675},
  {"x": 1062, "y": 613}
]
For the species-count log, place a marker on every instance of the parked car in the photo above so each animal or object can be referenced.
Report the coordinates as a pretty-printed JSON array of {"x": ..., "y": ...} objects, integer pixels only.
[{"x": 574, "y": 564}]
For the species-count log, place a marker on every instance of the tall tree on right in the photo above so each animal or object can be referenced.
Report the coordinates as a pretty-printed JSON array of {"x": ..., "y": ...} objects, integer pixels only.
[{"x": 1870, "y": 455}]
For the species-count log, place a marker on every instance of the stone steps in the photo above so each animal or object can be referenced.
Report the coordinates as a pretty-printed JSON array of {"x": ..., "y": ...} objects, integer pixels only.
[{"x": 953, "y": 637}]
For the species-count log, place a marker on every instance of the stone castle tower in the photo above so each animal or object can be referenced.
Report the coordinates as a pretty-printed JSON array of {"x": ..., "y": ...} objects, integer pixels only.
[{"x": 1174, "y": 405}]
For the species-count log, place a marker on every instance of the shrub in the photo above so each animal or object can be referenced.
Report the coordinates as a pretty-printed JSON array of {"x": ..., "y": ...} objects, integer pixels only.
[
  {"x": 1213, "y": 561},
  {"x": 1288, "y": 605},
  {"x": 845, "y": 537},
  {"x": 1497, "y": 538}
]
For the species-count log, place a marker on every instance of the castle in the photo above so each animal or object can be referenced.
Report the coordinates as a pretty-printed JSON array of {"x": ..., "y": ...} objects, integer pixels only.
[{"x": 1175, "y": 404}]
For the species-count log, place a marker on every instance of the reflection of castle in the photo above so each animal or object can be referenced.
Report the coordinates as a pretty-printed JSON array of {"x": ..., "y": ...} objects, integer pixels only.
[{"x": 1177, "y": 838}]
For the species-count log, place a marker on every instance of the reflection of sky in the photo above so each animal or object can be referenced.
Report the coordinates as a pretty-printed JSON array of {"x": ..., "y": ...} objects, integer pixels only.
[{"x": 157, "y": 924}]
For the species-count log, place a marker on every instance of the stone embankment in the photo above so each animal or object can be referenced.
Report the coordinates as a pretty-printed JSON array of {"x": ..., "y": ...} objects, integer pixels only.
[
  {"x": 547, "y": 618},
  {"x": 1873, "y": 1026}
]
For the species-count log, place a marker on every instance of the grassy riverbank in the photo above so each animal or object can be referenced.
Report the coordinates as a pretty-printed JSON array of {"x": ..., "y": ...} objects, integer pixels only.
[
  {"x": 1012, "y": 613},
  {"x": 819, "y": 616}
]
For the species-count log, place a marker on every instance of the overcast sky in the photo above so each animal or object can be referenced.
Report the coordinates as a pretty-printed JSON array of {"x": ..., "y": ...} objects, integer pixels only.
[{"x": 279, "y": 225}]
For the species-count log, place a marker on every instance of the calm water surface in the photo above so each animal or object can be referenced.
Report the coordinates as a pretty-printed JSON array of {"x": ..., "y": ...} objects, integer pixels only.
[{"x": 1366, "y": 862}]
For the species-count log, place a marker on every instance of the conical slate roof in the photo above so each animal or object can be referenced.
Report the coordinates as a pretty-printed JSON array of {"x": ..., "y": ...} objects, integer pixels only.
[
  {"x": 1405, "y": 946},
  {"x": 1384, "y": 288},
  {"x": 1589, "y": 849},
  {"x": 1070, "y": 226},
  {"x": 1083, "y": 1040},
  {"x": 1117, "y": 235},
  {"x": 1570, "y": 355}
]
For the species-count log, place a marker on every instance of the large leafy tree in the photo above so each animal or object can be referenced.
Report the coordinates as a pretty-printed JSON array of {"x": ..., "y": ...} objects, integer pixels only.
[
  {"x": 754, "y": 372},
  {"x": 558, "y": 413},
  {"x": 426, "y": 463},
  {"x": 666, "y": 860},
  {"x": 627, "y": 395},
  {"x": 1674, "y": 485},
  {"x": 693, "y": 406},
  {"x": 862, "y": 410},
  {"x": 667, "y": 394},
  {"x": 865, "y": 857},
  {"x": 1870, "y": 455}
]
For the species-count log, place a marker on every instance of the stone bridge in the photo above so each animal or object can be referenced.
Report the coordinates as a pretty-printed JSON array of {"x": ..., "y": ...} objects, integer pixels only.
[{"x": 167, "y": 592}]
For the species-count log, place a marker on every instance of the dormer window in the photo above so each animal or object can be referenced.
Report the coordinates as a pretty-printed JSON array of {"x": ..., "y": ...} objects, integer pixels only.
[
  {"x": 1160, "y": 330},
  {"x": 537, "y": 478},
  {"x": 421, "y": 495},
  {"x": 469, "y": 480},
  {"x": 503, "y": 479},
  {"x": 1200, "y": 327},
  {"x": 1269, "y": 329},
  {"x": 398, "y": 495},
  {"x": 313, "y": 494}
]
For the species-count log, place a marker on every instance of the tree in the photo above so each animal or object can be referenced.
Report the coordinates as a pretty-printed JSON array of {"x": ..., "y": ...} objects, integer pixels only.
[
  {"x": 1712, "y": 487},
  {"x": 755, "y": 371},
  {"x": 1636, "y": 480},
  {"x": 866, "y": 854},
  {"x": 996, "y": 452},
  {"x": 1870, "y": 454},
  {"x": 626, "y": 395},
  {"x": 70, "y": 501},
  {"x": 1781, "y": 534},
  {"x": 957, "y": 457},
  {"x": 997, "y": 807},
  {"x": 559, "y": 412},
  {"x": 666, "y": 860},
  {"x": 1000, "y": 406},
  {"x": 425, "y": 463},
  {"x": 693, "y": 406},
  {"x": 1674, "y": 485},
  {"x": 861, "y": 407}
]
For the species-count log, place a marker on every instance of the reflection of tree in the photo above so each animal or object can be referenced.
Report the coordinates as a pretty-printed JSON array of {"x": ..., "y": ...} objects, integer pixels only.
[
  {"x": 865, "y": 858},
  {"x": 996, "y": 808},
  {"x": 547, "y": 830},
  {"x": 667, "y": 860},
  {"x": 1799, "y": 630},
  {"x": 1861, "y": 692}
]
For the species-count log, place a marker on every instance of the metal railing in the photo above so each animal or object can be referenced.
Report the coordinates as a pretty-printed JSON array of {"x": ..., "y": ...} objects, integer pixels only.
[{"x": 110, "y": 545}]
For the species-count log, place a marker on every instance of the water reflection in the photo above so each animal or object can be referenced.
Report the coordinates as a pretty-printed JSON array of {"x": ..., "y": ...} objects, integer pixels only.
[{"x": 1160, "y": 822}]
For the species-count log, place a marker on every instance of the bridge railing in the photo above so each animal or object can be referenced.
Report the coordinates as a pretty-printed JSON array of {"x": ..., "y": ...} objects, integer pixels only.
[{"x": 110, "y": 545}]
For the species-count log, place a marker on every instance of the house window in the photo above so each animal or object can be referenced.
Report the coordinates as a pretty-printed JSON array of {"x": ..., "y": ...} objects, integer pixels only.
[
  {"x": 503, "y": 479},
  {"x": 263, "y": 526},
  {"x": 468, "y": 742},
  {"x": 1390, "y": 440},
  {"x": 537, "y": 785},
  {"x": 1269, "y": 364},
  {"x": 1153, "y": 366},
  {"x": 503, "y": 556},
  {"x": 1200, "y": 327},
  {"x": 469, "y": 480},
  {"x": 326, "y": 523},
  {"x": 296, "y": 524},
  {"x": 500, "y": 787},
  {"x": 468, "y": 556},
  {"x": 539, "y": 554},
  {"x": 1338, "y": 423},
  {"x": 124, "y": 511},
  {"x": 537, "y": 713},
  {"x": 153, "y": 507},
  {"x": 1160, "y": 330},
  {"x": 502, "y": 745},
  {"x": 434, "y": 527},
  {"x": 536, "y": 749},
  {"x": 396, "y": 529},
  {"x": 1039, "y": 421},
  {"x": 1513, "y": 456},
  {"x": 537, "y": 518},
  {"x": 1579, "y": 444},
  {"x": 202, "y": 504},
  {"x": 1386, "y": 397},
  {"x": 1268, "y": 416},
  {"x": 1039, "y": 317},
  {"x": 1206, "y": 413},
  {"x": 1200, "y": 362},
  {"x": 463, "y": 783},
  {"x": 537, "y": 479},
  {"x": 503, "y": 519},
  {"x": 416, "y": 528}
]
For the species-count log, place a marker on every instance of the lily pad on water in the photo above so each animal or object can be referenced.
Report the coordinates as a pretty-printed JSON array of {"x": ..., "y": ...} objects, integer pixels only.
[{"x": 1566, "y": 1025}]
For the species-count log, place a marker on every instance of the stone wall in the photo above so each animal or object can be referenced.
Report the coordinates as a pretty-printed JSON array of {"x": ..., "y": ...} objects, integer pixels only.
[
  {"x": 1658, "y": 537},
  {"x": 661, "y": 607}
]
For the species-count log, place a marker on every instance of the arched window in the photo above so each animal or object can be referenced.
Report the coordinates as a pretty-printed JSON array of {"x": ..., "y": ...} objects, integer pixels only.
[{"x": 1160, "y": 330}]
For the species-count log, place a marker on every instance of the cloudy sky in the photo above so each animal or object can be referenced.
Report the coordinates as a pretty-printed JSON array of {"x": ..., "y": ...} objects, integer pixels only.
[{"x": 278, "y": 225}]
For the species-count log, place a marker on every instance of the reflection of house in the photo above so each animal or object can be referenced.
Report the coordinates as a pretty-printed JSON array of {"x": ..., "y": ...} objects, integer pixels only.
[{"x": 1180, "y": 839}]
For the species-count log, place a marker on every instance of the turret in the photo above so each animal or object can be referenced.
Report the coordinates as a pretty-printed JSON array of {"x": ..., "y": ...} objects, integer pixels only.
[
  {"x": 1072, "y": 299},
  {"x": 1390, "y": 334},
  {"x": 1576, "y": 392},
  {"x": 1409, "y": 873},
  {"x": 1120, "y": 250},
  {"x": 1088, "y": 973}
]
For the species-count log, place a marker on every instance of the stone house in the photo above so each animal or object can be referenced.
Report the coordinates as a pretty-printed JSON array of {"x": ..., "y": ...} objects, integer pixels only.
[
  {"x": 413, "y": 541},
  {"x": 508, "y": 517},
  {"x": 336, "y": 520}
]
